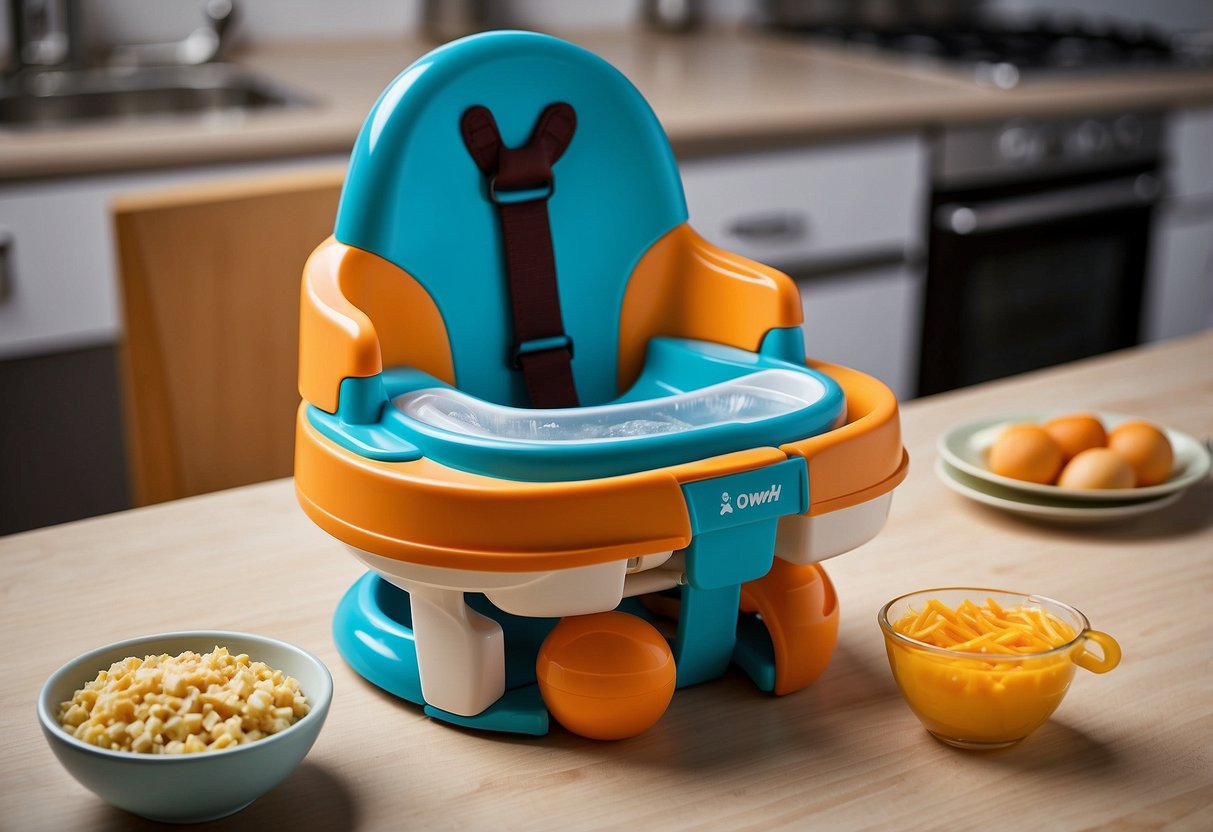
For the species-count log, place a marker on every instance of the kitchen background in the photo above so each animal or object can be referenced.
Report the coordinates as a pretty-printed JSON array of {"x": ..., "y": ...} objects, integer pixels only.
[{"x": 962, "y": 190}]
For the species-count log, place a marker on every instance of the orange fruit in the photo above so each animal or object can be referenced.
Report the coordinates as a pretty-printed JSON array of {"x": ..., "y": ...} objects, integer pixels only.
[
  {"x": 1026, "y": 452},
  {"x": 1146, "y": 448},
  {"x": 1076, "y": 433},
  {"x": 1097, "y": 468}
]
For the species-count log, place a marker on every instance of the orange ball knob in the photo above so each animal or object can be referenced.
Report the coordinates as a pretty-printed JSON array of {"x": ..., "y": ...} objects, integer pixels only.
[
  {"x": 800, "y": 608},
  {"x": 606, "y": 676}
]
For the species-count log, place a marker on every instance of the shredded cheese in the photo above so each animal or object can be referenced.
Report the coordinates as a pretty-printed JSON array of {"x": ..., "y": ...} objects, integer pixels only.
[{"x": 986, "y": 629}]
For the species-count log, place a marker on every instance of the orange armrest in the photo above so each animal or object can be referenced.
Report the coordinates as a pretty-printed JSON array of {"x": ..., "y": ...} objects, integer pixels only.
[
  {"x": 864, "y": 457},
  {"x": 336, "y": 338},
  {"x": 685, "y": 287}
]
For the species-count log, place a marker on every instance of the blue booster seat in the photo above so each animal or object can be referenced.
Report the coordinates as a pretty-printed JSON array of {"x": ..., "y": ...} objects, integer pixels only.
[{"x": 579, "y": 448}]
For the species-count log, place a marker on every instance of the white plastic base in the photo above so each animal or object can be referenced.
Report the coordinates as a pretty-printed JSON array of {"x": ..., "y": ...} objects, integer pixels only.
[
  {"x": 578, "y": 591},
  {"x": 804, "y": 539},
  {"x": 461, "y": 654},
  {"x": 456, "y": 638}
]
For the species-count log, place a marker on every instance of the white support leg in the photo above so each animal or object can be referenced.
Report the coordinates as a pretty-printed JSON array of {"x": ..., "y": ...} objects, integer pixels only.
[{"x": 460, "y": 653}]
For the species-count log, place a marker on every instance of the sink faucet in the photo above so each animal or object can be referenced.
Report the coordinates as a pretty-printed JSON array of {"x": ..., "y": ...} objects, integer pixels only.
[
  {"x": 45, "y": 34},
  {"x": 198, "y": 47}
]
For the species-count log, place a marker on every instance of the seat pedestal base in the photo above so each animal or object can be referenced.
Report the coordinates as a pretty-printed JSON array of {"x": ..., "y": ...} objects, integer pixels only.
[{"x": 373, "y": 630}]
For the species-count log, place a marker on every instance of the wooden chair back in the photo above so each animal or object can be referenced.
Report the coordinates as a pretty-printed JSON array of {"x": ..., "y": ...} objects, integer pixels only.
[{"x": 210, "y": 279}]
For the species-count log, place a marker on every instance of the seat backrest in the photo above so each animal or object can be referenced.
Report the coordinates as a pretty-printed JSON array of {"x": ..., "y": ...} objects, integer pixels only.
[
  {"x": 210, "y": 288},
  {"x": 415, "y": 197}
]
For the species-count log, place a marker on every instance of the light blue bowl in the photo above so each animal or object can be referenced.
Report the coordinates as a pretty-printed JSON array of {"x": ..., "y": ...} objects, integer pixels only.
[{"x": 187, "y": 788}]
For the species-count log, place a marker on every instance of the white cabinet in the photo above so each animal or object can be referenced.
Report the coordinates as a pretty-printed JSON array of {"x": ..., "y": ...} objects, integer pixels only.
[
  {"x": 1180, "y": 293},
  {"x": 60, "y": 288},
  {"x": 869, "y": 319},
  {"x": 1179, "y": 289},
  {"x": 846, "y": 222}
]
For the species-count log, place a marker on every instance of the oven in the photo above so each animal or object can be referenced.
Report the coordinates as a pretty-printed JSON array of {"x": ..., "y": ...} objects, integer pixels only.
[{"x": 1038, "y": 235}]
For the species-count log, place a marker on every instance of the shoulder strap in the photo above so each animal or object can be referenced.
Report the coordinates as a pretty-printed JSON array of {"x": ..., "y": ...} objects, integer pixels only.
[{"x": 520, "y": 182}]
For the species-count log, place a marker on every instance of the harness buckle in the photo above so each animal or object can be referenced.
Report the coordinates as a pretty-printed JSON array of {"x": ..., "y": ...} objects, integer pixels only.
[
  {"x": 555, "y": 342},
  {"x": 541, "y": 192}
]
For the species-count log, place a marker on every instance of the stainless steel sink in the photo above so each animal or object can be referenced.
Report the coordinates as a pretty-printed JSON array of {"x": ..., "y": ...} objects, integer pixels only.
[{"x": 52, "y": 99}]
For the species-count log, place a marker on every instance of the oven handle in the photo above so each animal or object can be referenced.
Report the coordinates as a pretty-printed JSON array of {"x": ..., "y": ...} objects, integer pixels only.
[{"x": 1006, "y": 214}]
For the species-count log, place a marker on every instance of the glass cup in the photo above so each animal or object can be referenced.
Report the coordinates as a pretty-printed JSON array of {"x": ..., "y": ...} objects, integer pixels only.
[{"x": 988, "y": 700}]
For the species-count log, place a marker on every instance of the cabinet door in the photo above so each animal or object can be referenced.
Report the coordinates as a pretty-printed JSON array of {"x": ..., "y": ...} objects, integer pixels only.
[
  {"x": 1190, "y": 154},
  {"x": 59, "y": 289},
  {"x": 867, "y": 320},
  {"x": 1179, "y": 292},
  {"x": 61, "y": 455},
  {"x": 1179, "y": 298},
  {"x": 814, "y": 203}
]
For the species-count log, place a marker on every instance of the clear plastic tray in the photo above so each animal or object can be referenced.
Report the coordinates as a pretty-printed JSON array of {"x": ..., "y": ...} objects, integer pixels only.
[{"x": 751, "y": 398}]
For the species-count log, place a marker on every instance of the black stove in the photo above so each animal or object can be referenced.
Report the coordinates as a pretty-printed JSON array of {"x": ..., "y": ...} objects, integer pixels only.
[{"x": 1005, "y": 56}]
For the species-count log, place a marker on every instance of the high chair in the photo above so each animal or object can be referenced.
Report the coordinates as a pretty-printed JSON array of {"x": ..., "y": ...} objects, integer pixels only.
[{"x": 578, "y": 446}]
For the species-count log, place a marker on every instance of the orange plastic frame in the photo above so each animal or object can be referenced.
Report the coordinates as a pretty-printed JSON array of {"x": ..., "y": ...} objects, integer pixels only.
[{"x": 427, "y": 513}]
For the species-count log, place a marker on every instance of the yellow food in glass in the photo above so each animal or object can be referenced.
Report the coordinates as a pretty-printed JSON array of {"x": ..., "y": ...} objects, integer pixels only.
[{"x": 1001, "y": 679}]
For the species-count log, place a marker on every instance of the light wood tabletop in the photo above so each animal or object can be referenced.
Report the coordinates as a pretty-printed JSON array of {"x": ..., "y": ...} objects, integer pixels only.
[{"x": 1132, "y": 749}]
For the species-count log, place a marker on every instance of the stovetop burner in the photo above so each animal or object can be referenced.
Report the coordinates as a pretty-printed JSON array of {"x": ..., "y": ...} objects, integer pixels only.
[{"x": 1004, "y": 56}]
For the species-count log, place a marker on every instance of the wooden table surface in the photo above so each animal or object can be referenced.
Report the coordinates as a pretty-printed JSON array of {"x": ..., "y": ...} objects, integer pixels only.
[{"x": 1132, "y": 749}]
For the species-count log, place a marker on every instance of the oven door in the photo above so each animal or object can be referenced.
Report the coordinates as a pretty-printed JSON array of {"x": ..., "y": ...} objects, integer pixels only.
[{"x": 1020, "y": 279}]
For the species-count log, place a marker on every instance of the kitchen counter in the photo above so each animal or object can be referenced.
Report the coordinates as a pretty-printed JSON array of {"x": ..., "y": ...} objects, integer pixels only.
[
  {"x": 1132, "y": 749},
  {"x": 715, "y": 90}
]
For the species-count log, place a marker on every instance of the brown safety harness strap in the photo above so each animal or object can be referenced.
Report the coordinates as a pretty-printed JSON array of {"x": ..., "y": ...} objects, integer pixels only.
[{"x": 520, "y": 183}]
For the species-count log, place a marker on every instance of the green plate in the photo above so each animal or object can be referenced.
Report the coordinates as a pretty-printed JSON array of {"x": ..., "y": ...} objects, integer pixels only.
[{"x": 1075, "y": 512}]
